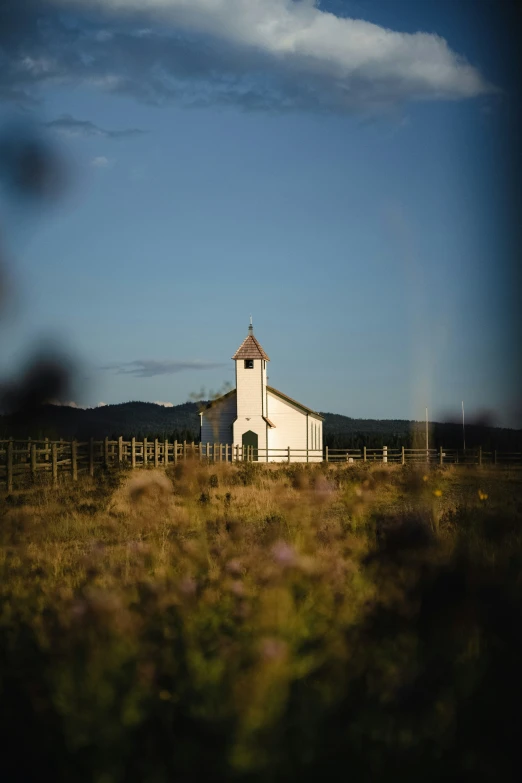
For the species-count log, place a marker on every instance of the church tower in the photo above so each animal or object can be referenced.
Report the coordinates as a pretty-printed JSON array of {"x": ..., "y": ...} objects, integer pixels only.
[{"x": 250, "y": 426}]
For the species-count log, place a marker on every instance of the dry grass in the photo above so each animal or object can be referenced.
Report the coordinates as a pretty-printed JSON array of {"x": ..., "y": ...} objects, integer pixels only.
[{"x": 262, "y": 623}]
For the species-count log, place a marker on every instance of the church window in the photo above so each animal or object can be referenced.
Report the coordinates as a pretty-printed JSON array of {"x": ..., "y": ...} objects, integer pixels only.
[{"x": 249, "y": 364}]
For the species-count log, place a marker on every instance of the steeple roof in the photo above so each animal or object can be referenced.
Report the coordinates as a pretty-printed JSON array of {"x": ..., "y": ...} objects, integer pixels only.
[{"x": 250, "y": 349}]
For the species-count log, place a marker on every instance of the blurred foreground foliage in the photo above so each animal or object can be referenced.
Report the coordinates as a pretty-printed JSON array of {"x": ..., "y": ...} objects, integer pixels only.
[{"x": 262, "y": 623}]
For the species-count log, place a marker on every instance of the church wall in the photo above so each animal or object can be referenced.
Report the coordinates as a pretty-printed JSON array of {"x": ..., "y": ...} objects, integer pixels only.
[
  {"x": 254, "y": 423},
  {"x": 315, "y": 434},
  {"x": 290, "y": 430},
  {"x": 217, "y": 421}
]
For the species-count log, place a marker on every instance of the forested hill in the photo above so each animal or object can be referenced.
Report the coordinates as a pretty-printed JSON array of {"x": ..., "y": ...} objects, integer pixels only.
[{"x": 181, "y": 422}]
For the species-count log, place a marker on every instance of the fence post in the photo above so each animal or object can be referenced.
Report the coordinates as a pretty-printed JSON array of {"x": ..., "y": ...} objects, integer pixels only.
[
  {"x": 74, "y": 460},
  {"x": 364, "y": 454},
  {"x": 133, "y": 453},
  {"x": 175, "y": 454},
  {"x": 237, "y": 452},
  {"x": 156, "y": 452},
  {"x": 220, "y": 452},
  {"x": 54, "y": 458},
  {"x": 193, "y": 449},
  {"x": 145, "y": 455},
  {"x": 289, "y": 455},
  {"x": 184, "y": 449},
  {"x": 441, "y": 458},
  {"x": 200, "y": 450},
  {"x": 10, "y": 466},
  {"x": 214, "y": 452},
  {"x": 385, "y": 453},
  {"x": 326, "y": 453},
  {"x": 403, "y": 456},
  {"x": 33, "y": 460},
  {"x": 46, "y": 458},
  {"x": 120, "y": 449},
  {"x": 480, "y": 455},
  {"x": 166, "y": 452},
  {"x": 91, "y": 457},
  {"x": 106, "y": 452}
]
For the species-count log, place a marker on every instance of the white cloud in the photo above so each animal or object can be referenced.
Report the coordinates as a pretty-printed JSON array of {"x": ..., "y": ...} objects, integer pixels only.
[
  {"x": 101, "y": 405},
  {"x": 164, "y": 404},
  {"x": 100, "y": 162},
  {"x": 362, "y": 62}
]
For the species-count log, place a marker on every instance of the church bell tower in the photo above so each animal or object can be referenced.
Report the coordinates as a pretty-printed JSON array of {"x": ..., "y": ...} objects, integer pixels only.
[{"x": 250, "y": 426}]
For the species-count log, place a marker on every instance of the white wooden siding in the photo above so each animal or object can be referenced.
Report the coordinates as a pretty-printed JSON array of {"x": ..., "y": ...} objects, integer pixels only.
[
  {"x": 251, "y": 388},
  {"x": 254, "y": 423},
  {"x": 251, "y": 402},
  {"x": 217, "y": 421},
  {"x": 290, "y": 431}
]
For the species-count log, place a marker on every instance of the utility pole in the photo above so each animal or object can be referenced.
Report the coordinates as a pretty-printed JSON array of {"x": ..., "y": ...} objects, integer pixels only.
[
  {"x": 427, "y": 441},
  {"x": 463, "y": 428}
]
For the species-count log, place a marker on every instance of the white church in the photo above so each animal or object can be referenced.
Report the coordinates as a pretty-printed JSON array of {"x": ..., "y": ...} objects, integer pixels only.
[{"x": 259, "y": 421}]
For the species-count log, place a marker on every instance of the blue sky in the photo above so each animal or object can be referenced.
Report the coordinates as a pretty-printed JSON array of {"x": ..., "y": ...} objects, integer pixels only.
[{"x": 345, "y": 184}]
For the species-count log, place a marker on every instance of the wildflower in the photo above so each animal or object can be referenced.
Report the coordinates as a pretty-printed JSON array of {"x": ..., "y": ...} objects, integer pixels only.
[
  {"x": 438, "y": 493},
  {"x": 273, "y": 649},
  {"x": 237, "y": 588},
  {"x": 424, "y": 478},
  {"x": 188, "y": 585},
  {"x": 234, "y": 567},
  {"x": 482, "y": 495},
  {"x": 284, "y": 553}
]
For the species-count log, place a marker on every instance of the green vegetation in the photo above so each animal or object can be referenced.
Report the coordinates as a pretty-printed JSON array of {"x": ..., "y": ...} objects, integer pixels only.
[{"x": 263, "y": 623}]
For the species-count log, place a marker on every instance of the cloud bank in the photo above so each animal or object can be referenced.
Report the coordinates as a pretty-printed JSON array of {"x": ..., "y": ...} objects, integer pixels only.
[
  {"x": 258, "y": 54},
  {"x": 148, "y": 368},
  {"x": 70, "y": 126}
]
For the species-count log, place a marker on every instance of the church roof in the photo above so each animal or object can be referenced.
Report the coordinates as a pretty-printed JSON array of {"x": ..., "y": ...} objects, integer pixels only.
[
  {"x": 272, "y": 391},
  {"x": 294, "y": 402},
  {"x": 250, "y": 349}
]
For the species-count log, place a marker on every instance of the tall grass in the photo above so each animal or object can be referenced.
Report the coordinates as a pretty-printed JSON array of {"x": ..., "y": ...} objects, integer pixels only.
[{"x": 254, "y": 623}]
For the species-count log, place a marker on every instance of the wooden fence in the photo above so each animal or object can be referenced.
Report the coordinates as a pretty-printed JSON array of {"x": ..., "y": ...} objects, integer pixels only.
[{"x": 24, "y": 460}]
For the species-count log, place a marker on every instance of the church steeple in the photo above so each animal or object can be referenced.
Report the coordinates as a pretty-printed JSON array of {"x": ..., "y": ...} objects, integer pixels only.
[
  {"x": 251, "y": 394},
  {"x": 250, "y": 348}
]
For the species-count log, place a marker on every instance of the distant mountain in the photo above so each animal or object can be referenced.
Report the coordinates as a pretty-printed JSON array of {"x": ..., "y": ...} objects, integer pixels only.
[
  {"x": 139, "y": 419},
  {"x": 181, "y": 422}
]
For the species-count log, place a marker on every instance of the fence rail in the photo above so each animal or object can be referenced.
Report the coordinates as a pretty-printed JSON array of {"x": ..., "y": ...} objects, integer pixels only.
[{"x": 21, "y": 460}]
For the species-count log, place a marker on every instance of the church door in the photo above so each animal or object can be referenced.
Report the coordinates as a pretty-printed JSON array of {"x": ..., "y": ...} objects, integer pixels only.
[{"x": 249, "y": 439}]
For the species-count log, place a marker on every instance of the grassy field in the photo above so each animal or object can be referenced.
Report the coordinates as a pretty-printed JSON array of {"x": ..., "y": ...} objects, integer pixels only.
[{"x": 263, "y": 623}]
